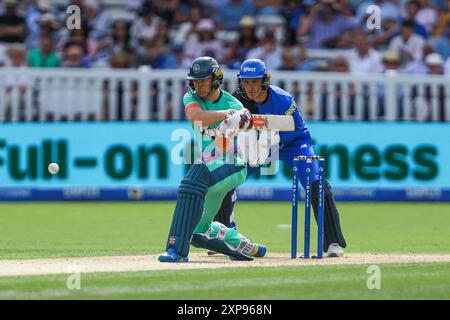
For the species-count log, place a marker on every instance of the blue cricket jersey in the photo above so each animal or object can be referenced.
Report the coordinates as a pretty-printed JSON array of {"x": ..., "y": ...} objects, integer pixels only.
[{"x": 282, "y": 103}]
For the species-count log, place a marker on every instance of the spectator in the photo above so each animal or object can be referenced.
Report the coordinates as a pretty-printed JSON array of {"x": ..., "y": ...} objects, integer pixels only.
[
  {"x": 382, "y": 38},
  {"x": 362, "y": 58},
  {"x": 412, "y": 7},
  {"x": 17, "y": 56},
  {"x": 426, "y": 16},
  {"x": 120, "y": 60},
  {"x": 161, "y": 40},
  {"x": 150, "y": 54},
  {"x": 294, "y": 11},
  {"x": 442, "y": 44},
  {"x": 434, "y": 63},
  {"x": 408, "y": 44},
  {"x": 176, "y": 59},
  {"x": 388, "y": 10},
  {"x": 290, "y": 60},
  {"x": 391, "y": 62},
  {"x": 119, "y": 41},
  {"x": 268, "y": 51},
  {"x": 97, "y": 21},
  {"x": 145, "y": 28},
  {"x": 391, "y": 67},
  {"x": 339, "y": 64},
  {"x": 304, "y": 62},
  {"x": 74, "y": 57},
  {"x": 187, "y": 29},
  {"x": 45, "y": 56},
  {"x": 247, "y": 41},
  {"x": 231, "y": 14},
  {"x": 206, "y": 44},
  {"x": 33, "y": 16},
  {"x": 324, "y": 24},
  {"x": 443, "y": 19},
  {"x": 81, "y": 37},
  {"x": 12, "y": 26},
  {"x": 166, "y": 9},
  {"x": 49, "y": 26}
]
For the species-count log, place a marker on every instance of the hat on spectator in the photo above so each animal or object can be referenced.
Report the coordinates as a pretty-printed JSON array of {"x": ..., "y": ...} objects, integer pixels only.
[
  {"x": 205, "y": 25},
  {"x": 49, "y": 19},
  {"x": 44, "y": 5},
  {"x": 247, "y": 22},
  {"x": 391, "y": 56},
  {"x": 434, "y": 59}
]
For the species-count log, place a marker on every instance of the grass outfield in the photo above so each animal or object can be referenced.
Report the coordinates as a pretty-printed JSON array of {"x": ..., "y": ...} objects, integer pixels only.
[
  {"x": 409, "y": 281},
  {"x": 51, "y": 230}
]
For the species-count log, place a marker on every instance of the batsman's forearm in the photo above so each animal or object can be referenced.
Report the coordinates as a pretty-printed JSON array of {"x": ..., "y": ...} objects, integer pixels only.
[{"x": 206, "y": 118}]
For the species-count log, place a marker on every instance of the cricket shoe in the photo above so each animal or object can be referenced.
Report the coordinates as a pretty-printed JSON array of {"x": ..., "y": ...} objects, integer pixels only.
[
  {"x": 254, "y": 250},
  {"x": 211, "y": 253},
  {"x": 171, "y": 255},
  {"x": 258, "y": 251},
  {"x": 335, "y": 251}
]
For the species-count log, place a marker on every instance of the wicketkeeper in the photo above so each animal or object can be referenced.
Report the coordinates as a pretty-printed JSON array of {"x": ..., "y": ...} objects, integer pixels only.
[
  {"x": 220, "y": 170},
  {"x": 259, "y": 97}
]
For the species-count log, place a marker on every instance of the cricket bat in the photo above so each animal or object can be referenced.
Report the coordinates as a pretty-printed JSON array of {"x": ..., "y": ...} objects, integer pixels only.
[
  {"x": 263, "y": 122},
  {"x": 273, "y": 122}
]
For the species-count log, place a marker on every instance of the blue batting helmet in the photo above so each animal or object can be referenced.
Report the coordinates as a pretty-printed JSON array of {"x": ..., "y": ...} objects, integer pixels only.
[{"x": 253, "y": 69}]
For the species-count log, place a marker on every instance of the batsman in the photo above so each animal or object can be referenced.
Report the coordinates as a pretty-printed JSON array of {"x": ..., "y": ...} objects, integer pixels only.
[
  {"x": 219, "y": 170},
  {"x": 259, "y": 97}
]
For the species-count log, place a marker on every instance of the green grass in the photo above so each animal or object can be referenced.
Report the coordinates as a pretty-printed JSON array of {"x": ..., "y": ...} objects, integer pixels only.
[
  {"x": 48, "y": 230},
  {"x": 407, "y": 281}
]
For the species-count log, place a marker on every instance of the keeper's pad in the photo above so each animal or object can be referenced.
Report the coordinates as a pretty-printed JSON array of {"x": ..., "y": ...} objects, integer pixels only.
[
  {"x": 332, "y": 225},
  {"x": 217, "y": 245},
  {"x": 189, "y": 207}
]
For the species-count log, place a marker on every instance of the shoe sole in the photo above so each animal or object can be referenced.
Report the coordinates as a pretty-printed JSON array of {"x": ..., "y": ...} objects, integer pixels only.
[
  {"x": 334, "y": 255},
  {"x": 182, "y": 260}
]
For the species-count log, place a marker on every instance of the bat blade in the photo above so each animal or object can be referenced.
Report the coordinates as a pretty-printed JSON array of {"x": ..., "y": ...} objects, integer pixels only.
[{"x": 273, "y": 122}]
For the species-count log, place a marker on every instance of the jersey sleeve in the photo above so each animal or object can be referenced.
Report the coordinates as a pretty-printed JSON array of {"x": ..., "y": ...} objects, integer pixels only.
[
  {"x": 190, "y": 102},
  {"x": 289, "y": 107},
  {"x": 236, "y": 105}
]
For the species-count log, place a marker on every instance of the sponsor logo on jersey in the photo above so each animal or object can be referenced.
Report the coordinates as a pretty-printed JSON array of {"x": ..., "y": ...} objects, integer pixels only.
[{"x": 291, "y": 109}]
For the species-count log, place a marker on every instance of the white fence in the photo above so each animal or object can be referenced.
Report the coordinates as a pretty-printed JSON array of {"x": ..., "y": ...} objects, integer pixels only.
[{"x": 113, "y": 94}]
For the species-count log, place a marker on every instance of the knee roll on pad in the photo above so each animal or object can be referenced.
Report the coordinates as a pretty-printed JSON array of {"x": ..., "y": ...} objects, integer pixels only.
[{"x": 189, "y": 207}]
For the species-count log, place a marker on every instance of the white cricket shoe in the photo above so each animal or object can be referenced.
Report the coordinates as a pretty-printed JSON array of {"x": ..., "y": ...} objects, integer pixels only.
[{"x": 335, "y": 250}]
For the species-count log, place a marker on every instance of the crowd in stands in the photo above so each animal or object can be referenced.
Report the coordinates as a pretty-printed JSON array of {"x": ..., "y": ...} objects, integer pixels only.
[{"x": 413, "y": 35}]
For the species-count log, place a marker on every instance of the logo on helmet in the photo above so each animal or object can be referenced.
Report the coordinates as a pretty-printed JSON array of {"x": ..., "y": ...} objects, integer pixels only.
[
  {"x": 196, "y": 68},
  {"x": 249, "y": 69}
]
